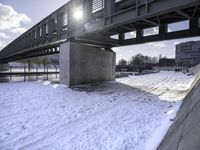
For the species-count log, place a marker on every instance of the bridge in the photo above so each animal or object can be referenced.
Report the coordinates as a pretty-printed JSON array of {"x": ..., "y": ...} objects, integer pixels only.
[{"x": 82, "y": 33}]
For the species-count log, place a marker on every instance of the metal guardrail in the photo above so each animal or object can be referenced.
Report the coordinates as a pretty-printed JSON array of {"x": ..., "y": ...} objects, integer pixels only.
[
  {"x": 37, "y": 73},
  {"x": 26, "y": 73}
]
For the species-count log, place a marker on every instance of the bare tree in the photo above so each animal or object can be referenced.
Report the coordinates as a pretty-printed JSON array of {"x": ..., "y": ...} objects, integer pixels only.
[
  {"x": 132, "y": 60},
  {"x": 122, "y": 62},
  {"x": 139, "y": 59},
  {"x": 29, "y": 62},
  {"x": 45, "y": 62}
]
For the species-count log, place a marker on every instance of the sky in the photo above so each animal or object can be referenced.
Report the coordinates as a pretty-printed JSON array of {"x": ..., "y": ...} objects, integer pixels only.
[{"x": 17, "y": 16}]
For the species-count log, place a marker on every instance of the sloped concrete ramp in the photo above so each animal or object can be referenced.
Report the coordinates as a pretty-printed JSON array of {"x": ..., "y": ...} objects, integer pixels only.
[{"x": 184, "y": 134}]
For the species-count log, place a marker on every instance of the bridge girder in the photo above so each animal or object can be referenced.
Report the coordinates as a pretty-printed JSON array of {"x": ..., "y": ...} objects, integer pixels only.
[{"x": 102, "y": 19}]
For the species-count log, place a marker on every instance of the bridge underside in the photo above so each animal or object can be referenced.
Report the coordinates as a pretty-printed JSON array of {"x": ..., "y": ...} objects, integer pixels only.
[
  {"x": 36, "y": 52},
  {"x": 160, "y": 22},
  {"x": 61, "y": 33},
  {"x": 103, "y": 19}
]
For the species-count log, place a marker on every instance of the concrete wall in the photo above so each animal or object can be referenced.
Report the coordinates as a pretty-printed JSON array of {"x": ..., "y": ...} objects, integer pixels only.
[
  {"x": 184, "y": 134},
  {"x": 196, "y": 71},
  {"x": 81, "y": 64}
]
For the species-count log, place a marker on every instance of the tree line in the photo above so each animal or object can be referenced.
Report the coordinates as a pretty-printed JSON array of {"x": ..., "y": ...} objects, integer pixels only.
[
  {"x": 139, "y": 60},
  {"x": 43, "y": 61}
]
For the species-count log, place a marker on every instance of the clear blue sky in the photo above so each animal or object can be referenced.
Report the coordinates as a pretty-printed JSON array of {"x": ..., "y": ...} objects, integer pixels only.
[{"x": 16, "y": 16}]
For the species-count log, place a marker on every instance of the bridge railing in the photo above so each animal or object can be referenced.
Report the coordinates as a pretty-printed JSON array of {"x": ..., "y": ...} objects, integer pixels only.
[{"x": 51, "y": 29}]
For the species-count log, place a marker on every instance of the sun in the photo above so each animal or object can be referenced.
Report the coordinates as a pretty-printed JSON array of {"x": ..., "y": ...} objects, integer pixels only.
[{"x": 78, "y": 13}]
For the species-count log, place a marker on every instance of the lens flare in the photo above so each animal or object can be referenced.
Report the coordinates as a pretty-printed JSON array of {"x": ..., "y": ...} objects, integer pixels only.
[{"x": 78, "y": 14}]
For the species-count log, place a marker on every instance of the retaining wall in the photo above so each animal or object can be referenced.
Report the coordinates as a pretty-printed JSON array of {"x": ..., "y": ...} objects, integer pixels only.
[{"x": 184, "y": 133}]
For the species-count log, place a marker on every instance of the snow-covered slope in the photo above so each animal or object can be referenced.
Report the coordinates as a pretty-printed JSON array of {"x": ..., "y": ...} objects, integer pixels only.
[{"x": 132, "y": 113}]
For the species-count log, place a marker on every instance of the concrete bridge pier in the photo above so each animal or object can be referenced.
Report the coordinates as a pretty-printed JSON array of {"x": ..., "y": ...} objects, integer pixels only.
[{"x": 82, "y": 64}]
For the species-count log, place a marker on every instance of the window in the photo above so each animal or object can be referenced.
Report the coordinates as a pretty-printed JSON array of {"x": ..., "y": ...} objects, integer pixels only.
[
  {"x": 40, "y": 31},
  {"x": 65, "y": 19},
  {"x": 55, "y": 21},
  {"x": 35, "y": 34},
  {"x": 46, "y": 29}
]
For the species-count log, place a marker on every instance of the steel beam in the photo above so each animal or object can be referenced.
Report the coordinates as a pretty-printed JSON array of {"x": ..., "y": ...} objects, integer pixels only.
[
  {"x": 183, "y": 14},
  {"x": 113, "y": 18},
  {"x": 194, "y": 30}
]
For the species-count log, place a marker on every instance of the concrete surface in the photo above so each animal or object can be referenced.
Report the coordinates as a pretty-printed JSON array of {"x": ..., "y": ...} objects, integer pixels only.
[
  {"x": 81, "y": 64},
  {"x": 184, "y": 134}
]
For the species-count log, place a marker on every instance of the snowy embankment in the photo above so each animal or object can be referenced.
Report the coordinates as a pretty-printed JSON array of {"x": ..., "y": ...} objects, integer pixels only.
[{"x": 132, "y": 113}]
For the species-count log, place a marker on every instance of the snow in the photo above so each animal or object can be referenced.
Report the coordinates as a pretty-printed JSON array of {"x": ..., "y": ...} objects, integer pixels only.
[{"x": 129, "y": 113}]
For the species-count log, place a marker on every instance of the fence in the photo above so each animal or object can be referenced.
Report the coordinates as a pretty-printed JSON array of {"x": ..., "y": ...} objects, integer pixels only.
[{"x": 25, "y": 74}]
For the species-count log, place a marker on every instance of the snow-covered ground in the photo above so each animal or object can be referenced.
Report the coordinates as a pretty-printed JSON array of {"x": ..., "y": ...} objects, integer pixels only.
[{"x": 132, "y": 113}]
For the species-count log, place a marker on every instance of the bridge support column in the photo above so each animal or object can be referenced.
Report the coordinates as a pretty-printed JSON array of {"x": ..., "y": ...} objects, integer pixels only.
[{"x": 81, "y": 64}]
